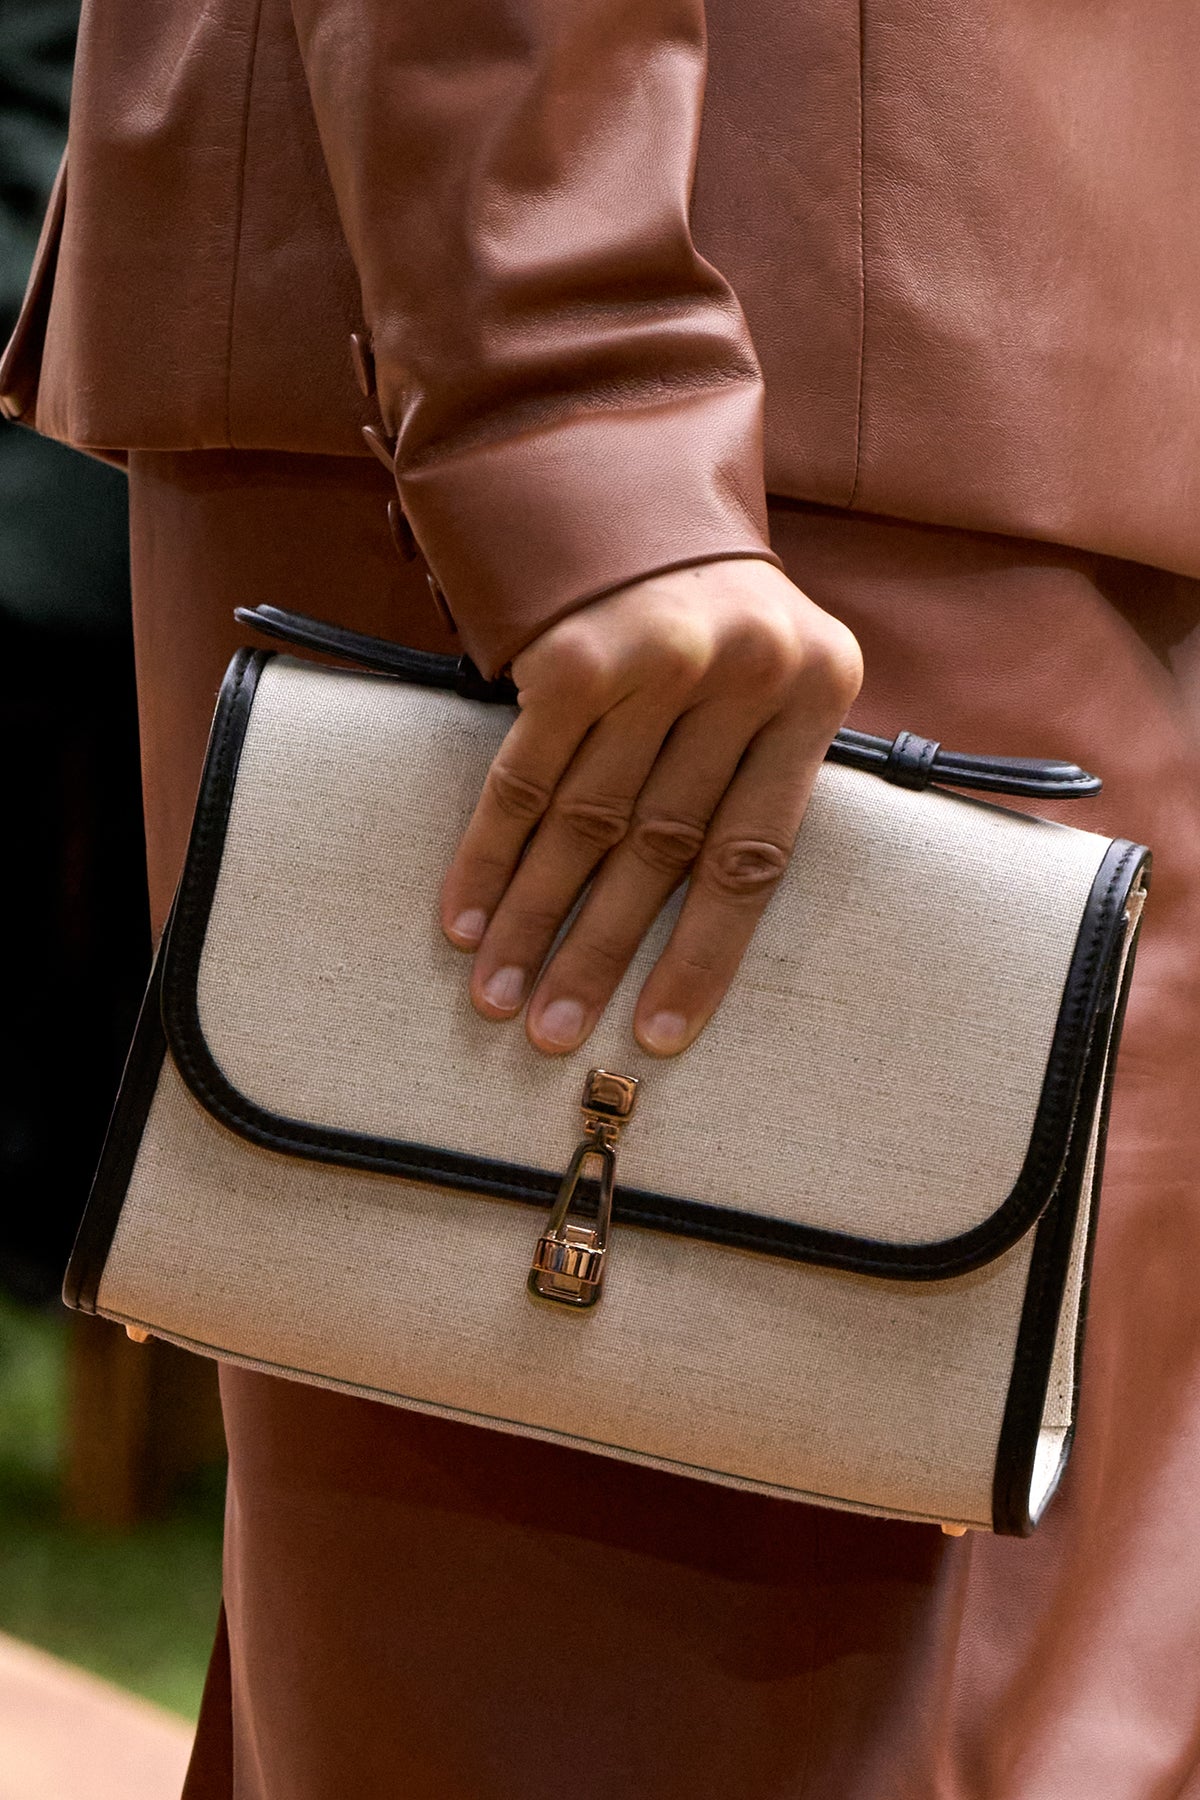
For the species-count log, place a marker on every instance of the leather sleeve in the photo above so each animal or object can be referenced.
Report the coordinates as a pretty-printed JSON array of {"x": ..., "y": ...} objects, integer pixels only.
[{"x": 572, "y": 388}]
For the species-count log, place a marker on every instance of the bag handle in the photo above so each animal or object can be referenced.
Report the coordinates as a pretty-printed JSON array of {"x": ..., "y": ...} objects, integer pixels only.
[{"x": 905, "y": 760}]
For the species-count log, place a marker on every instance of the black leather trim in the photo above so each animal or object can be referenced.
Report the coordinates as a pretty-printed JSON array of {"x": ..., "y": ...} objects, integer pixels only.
[
  {"x": 423, "y": 668},
  {"x": 907, "y": 760},
  {"x": 1034, "y": 1353},
  {"x": 1048, "y": 1148},
  {"x": 94, "y": 1238},
  {"x": 144, "y": 1062}
]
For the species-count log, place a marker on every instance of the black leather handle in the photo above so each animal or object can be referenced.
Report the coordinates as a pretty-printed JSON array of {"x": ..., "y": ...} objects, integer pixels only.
[
  {"x": 906, "y": 760},
  {"x": 423, "y": 668},
  {"x": 911, "y": 761}
]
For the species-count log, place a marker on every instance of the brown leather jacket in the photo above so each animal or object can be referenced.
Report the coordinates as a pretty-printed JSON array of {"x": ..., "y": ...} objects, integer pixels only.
[{"x": 965, "y": 238}]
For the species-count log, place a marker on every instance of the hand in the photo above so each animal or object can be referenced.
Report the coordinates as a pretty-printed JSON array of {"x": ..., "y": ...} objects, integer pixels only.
[{"x": 674, "y": 728}]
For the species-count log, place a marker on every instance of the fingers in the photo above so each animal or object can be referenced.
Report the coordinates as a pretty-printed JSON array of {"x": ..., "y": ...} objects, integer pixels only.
[
  {"x": 587, "y": 815},
  {"x": 563, "y": 696},
  {"x": 671, "y": 730},
  {"x": 666, "y": 834},
  {"x": 745, "y": 856},
  {"x": 516, "y": 794}
]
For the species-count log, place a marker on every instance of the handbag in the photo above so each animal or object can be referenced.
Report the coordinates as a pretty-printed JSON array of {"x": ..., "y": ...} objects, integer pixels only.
[{"x": 837, "y": 1251}]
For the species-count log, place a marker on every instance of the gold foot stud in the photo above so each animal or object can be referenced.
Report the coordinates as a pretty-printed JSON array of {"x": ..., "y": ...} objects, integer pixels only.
[
  {"x": 137, "y": 1333},
  {"x": 953, "y": 1530}
]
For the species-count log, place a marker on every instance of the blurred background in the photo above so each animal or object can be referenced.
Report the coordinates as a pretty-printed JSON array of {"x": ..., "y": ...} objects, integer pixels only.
[{"x": 111, "y": 1470}]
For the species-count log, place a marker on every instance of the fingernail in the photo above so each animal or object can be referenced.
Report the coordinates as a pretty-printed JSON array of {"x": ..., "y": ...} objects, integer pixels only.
[
  {"x": 470, "y": 926},
  {"x": 561, "y": 1023},
  {"x": 665, "y": 1033},
  {"x": 504, "y": 989}
]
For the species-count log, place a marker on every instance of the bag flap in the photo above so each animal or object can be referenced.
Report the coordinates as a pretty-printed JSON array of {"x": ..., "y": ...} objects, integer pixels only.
[{"x": 890, "y": 1086}]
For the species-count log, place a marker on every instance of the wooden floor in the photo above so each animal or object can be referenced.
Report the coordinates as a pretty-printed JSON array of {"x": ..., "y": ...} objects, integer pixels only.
[{"x": 65, "y": 1735}]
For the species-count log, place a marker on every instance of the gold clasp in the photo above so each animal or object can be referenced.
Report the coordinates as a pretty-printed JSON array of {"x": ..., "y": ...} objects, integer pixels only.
[{"x": 568, "y": 1263}]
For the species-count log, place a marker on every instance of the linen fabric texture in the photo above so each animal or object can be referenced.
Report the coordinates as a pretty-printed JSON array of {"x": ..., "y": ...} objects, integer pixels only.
[{"x": 876, "y": 1071}]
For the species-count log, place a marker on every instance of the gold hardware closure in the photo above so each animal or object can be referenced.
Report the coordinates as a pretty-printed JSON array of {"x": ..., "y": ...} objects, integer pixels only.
[{"x": 568, "y": 1263}]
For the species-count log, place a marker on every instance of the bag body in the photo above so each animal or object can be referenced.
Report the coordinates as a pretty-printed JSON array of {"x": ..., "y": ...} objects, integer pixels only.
[{"x": 847, "y": 1259}]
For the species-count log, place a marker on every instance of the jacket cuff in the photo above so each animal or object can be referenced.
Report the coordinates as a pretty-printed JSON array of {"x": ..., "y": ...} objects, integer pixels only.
[{"x": 518, "y": 532}]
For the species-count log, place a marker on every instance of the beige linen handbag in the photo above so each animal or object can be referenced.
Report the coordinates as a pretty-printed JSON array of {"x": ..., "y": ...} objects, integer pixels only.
[{"x": 837, "y": 1251}]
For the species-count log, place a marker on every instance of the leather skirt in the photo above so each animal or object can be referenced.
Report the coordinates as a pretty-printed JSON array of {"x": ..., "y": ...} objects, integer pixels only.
[{"x": 430, "y": 1610}]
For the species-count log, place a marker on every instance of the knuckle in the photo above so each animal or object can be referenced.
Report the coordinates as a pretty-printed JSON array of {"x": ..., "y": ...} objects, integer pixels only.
[
  {"x": 682, "y": 651},
  {"x": 516, "y": 796},
  {"x": 834, "y": 667},
  {"x": 599, "y": 824},
  {"x": 670, "y": 846},
  {"x": 579, "y": 664},
  {"x": 775, "y": 656},
  {"x": 745, "y": 868},
  {"x": 764, "y": 655}
]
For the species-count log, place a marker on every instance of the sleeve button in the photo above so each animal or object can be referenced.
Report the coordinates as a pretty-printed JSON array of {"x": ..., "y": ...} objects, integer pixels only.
[
  {"x": 440, "y": 601},
  {"x": 363, "y": 358},
  {"x": 379, "y": 446},
  {"x": 402, "y": 534}
]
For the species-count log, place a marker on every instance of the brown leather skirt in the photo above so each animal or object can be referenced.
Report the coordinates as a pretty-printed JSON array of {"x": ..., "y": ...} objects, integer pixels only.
[{"x": 429, "y": 1610}]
